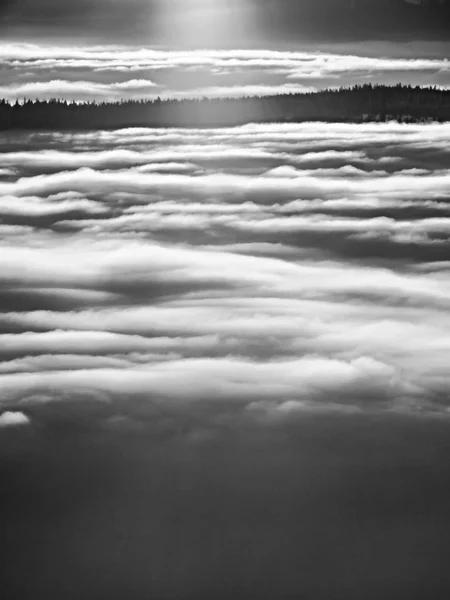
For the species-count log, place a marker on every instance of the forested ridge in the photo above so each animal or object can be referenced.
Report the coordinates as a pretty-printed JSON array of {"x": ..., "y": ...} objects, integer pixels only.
[{"x": 359, "y": 103}]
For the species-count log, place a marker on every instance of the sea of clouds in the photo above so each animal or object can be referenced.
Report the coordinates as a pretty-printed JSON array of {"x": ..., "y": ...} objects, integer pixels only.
[
  {"x": 236, "y": 275},
  {"x": 224, "y": 362}
]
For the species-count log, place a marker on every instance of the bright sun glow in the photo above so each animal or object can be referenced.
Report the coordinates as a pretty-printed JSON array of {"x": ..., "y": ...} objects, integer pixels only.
[{"x": 205, "y": 23}]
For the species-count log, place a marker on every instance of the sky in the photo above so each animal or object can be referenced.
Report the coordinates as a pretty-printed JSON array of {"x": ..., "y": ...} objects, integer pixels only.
[
  {"x": 236, "y": 21},
  {"x": 224, "y": 352},
  {"x": 113, "y": 49}
]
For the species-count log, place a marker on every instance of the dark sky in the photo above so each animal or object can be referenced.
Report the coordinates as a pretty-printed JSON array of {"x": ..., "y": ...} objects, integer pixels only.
[{"x": 269, "y": 21}]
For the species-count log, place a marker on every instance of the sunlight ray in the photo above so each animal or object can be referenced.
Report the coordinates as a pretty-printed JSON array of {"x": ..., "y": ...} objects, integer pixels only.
[{"x": 205, "y": 23}]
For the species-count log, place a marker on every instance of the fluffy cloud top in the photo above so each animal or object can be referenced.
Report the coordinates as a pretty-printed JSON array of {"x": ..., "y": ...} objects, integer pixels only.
[
  {"x": 13, "y": 419},
  {"x": 249, "y": 273}
]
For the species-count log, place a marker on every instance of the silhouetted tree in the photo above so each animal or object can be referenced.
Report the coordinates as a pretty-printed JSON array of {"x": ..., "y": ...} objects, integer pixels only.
[{"x": 357, "y": 104}]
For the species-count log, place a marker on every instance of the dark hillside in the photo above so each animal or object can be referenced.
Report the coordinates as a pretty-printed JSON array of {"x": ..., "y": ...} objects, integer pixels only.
[{"x": 357, "y": 104}]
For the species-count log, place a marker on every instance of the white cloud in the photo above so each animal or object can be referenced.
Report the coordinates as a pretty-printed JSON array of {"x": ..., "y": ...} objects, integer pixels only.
[
  {"x": 13, "y": 419},
  {"x": 287, "y": 268},
  {"x": 48, "y": 71}
]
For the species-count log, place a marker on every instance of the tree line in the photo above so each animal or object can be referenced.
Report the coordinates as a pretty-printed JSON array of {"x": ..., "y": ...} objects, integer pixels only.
[{"x": 356, "y": 104}]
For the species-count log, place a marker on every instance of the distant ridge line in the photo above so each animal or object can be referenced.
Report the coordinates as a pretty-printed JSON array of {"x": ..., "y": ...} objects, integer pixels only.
[{"x": 360, "y": 103}]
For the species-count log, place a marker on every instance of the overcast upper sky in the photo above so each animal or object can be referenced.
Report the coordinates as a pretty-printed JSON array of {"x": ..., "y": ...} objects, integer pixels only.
[{"x": 235, "y": 21}]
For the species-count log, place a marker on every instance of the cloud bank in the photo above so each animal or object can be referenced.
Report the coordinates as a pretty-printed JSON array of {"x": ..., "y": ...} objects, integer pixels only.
[
  {"x": 121, "y": 72},
  {"x": 268, "y": 270}
]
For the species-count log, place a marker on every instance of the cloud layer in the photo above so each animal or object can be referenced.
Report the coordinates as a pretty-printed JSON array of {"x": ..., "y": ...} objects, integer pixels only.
[
  {"x": 121, "y": 72},
  {"x": 268, "y": 270}
]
